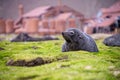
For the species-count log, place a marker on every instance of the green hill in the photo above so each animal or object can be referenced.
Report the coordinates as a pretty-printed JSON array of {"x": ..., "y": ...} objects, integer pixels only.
[{"x": 78, "y": 65}]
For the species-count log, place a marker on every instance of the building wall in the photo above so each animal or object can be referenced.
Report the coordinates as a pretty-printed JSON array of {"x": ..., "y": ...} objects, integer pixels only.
[{"x": 9, "y": 8}]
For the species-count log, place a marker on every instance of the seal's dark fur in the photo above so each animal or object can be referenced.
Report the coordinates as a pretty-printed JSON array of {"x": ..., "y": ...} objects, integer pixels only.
[
  {"x": 113, "y": 40},
  {"x": 77, "y": 40},
  {"x": 24, "y": 37}
]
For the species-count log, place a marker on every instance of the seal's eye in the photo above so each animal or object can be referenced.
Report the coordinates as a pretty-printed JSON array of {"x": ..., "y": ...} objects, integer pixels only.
[{"x": 72, "y": 32}]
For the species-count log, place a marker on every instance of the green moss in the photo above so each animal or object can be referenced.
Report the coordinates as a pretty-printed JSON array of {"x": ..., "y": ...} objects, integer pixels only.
[{"x": 80, "y": 65}]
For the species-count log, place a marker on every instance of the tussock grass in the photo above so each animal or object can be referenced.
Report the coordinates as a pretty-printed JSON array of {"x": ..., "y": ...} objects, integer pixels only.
[{"x": 80, "y": 65}]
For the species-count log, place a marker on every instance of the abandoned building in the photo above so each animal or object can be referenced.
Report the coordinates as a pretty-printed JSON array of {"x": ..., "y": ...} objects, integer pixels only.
[
  {"x": 44, "y": 20},
  {"x": 49, "y": 19},
  {"x": 106, "y": 21},
  {"x": 52, "y": 20}
]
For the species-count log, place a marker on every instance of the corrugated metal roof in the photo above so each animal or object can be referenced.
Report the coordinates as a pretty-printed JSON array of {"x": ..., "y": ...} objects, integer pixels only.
[
  {"x": 37, "y": 11},
  {"x": 63, "y": 16},
  {"x": 114, "y": 8},
  {"x": 106, "y": 23},
  {"x": 65, "y": 8}
]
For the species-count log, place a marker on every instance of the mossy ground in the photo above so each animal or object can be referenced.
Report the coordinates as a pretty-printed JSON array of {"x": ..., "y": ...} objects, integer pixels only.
[{"x": 80, "y": 65}]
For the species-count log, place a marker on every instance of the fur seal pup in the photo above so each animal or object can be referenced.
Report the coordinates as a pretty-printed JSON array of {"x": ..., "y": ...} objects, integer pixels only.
[{"x": 77, "y": 40}]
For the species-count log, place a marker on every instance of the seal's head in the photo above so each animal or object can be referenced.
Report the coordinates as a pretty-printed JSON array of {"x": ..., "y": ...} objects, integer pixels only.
[{"x": 72, "y": 35}]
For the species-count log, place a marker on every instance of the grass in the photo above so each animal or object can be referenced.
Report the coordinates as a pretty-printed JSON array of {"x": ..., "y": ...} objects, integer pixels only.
[{"x": 81, "y": 65}]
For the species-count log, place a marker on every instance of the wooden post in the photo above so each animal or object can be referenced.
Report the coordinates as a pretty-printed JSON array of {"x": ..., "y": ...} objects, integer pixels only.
[
  {"x": 9, "y": 26},
  {"x": 2, "y": 26},
  {"x": 117, "y": 30}
]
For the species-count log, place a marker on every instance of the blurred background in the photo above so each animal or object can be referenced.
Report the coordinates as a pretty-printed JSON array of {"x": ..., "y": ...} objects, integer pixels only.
[
  {"x": 50, "y": 17},
  {"x": 9, "y": 8}
]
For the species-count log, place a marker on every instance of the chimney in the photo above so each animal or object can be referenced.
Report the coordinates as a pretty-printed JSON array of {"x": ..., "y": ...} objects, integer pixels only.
[
  {"x": 21, "y": 10},
  {"x": 59, "y": 6},
  {"x": 59, "y": 2}
]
